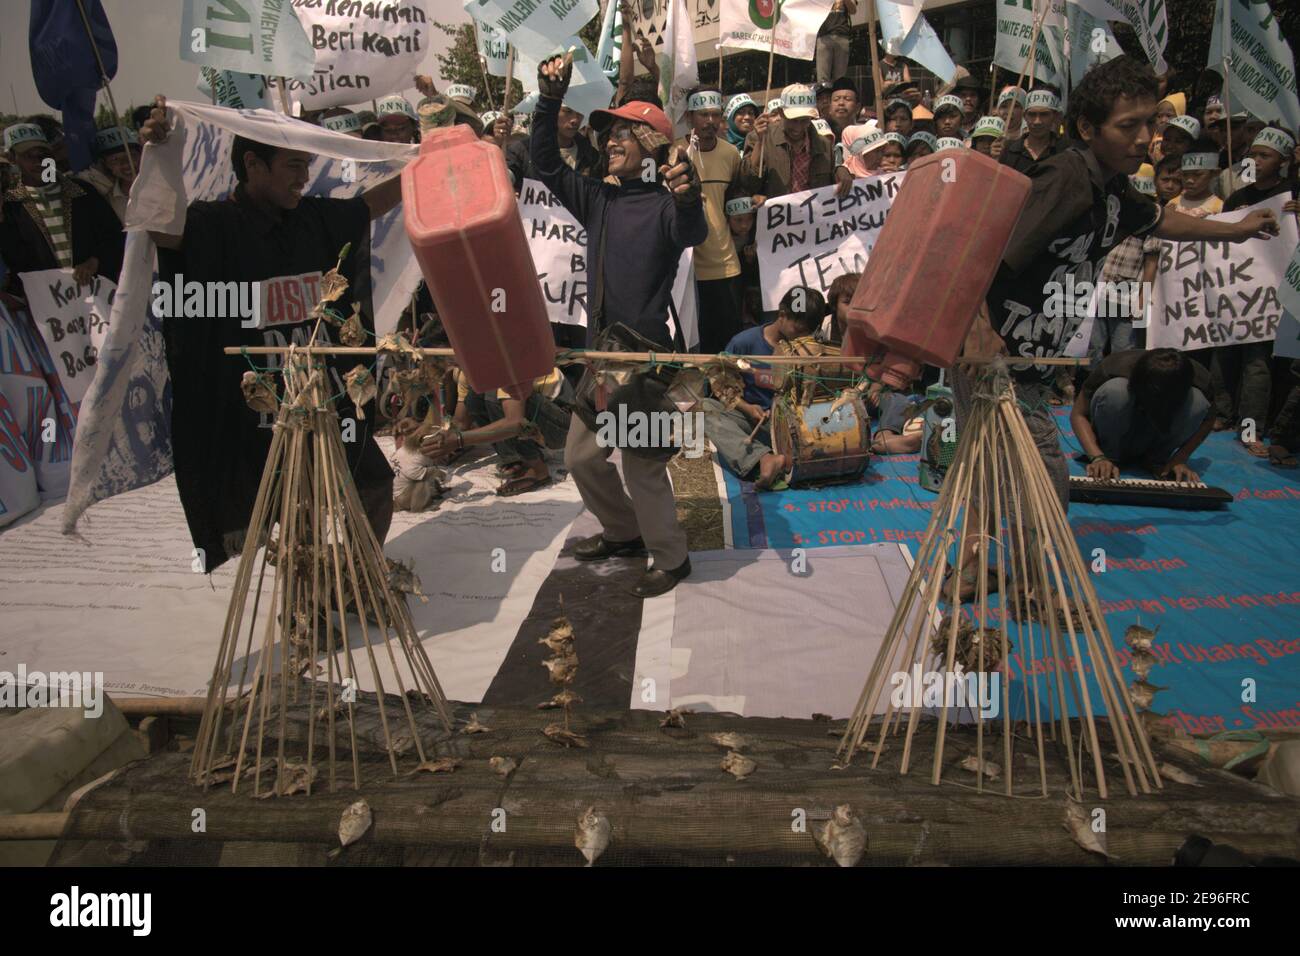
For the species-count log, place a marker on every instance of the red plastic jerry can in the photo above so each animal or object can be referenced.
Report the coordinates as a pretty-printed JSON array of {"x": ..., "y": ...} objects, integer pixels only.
[
  {"x": 933, "y": 263},
  {"x": 464, "y": 225}
]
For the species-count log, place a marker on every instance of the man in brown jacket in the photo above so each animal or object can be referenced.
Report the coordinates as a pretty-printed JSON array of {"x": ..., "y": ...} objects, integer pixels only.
[{"x": 792, "y": 158}]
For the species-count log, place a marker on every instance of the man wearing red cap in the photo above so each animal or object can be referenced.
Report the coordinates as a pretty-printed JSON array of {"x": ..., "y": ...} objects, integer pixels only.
[{"x": 636, "y": 232}]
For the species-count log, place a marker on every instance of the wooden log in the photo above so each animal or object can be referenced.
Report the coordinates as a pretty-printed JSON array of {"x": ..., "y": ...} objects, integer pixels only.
[{"x": 32, "y": 826}]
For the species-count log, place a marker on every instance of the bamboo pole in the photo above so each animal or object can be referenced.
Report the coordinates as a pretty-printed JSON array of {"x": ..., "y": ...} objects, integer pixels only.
[
  {"x": 482, "y": 64},
  {"x": 684, "y": 358},
  {"x": 1226, "y": 33},
  {"x": 876, "y": 77},
  {"x": 510, "y": 78},
  {"x": 771, "y": 56},
  {"x": 103, "y": 75}
]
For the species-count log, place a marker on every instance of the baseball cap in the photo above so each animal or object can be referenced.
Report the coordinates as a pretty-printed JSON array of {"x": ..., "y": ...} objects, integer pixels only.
[
  {"x": 1200, "y": 161},
  {"x": 948, "y": 142},
  {"x": 947, "y": 102},
  {"x": 460, "y": 91},
  {"x": 989, "y": 126},
  {"x": 739, "y": 206},
  {"x": 349, "y": 123},
  {"x": 797, "y": 101},
  {"x": 1043, "y": 100},
  {"x": 1012, "y": 93},
  {"x": 923, "y": 138},
  {"x": 634, "y": 111}
]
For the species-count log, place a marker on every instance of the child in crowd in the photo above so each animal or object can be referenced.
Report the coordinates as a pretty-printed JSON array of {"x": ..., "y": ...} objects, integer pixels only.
[
  {"x": 898, "y": 117},
  {"x": 920, "y": 144},
  {"x": 1200, "y": 169},
  {"x": 1169, "y": 179},
  {"x": 987, "y": 130},
  {"x": 838, "y": 297},
  {"x": 947, "y": 116},
  {"x": 1180, "y": 135},
  {"x": 742, "y": 221},
  {"x": 1011, "y": 110},
  {"x": 891, "y": 152}
]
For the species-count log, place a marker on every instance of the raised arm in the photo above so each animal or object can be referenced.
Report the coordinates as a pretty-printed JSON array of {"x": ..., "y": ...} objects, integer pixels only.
[
  {"x": 574, "y": 190},
  {"x": 1180, "y": 227}
]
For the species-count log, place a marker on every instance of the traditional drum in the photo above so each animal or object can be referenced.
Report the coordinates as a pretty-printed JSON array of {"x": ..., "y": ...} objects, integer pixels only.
[{"x": 825, "y": 443}]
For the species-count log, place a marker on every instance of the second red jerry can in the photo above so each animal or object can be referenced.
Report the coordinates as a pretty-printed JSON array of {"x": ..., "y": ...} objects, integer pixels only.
[
  {"x": 464, "y": 225},
  {"x": 933, "y": 262}
]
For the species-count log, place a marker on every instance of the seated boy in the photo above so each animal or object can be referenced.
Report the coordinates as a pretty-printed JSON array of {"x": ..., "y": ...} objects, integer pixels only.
[
  {"x": 740, "y": 432},
  {"x": 1143, "y": 407}
]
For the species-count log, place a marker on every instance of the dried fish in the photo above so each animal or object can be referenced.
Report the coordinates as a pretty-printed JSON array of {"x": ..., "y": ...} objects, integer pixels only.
[
  {"x": 505, "y": 766},
  {"x": 563, "y": 669},
  {"x": 560, "y": 735},
  {"x": 361, "y": 388},
  {"x": 403, "y": 579},
  {"x": 565, "y": 698},
  {"x": 259, "y": 392},
  {"x": 1142, "y": 693},
  {"x": 395, "y": 343},
  {"x": 738, "y": 765},
  {"x": 843, "y": 838},
  {"x": 970, "y": 644},
  {"x": 292, "y": 778},
  {"x": 974, "y": 765},
  {"x": 441, "y": 765},
  {"x": 560, "y": 637},
  {"x": 730, "y": 740},
  {"x": 354, "y": 823},
  {"x": 353, "y": 333},
  {"x": 402, "y": 742},
  {"x": 822, "y": 717},
  {"x": 592, "y": 834},
  {"x": 676, "y": 718},
  {"x": 1142, "y": 662},
  {"x": 1178, "y": 775},
  {"x": 1139, "y": 638},
  {"x": 1079, "y": 826},
  {"x": 472, "y": 726}
]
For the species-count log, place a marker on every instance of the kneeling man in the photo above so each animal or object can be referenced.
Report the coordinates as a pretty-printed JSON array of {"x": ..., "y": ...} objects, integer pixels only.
[{"x": 1149, "y": 408}]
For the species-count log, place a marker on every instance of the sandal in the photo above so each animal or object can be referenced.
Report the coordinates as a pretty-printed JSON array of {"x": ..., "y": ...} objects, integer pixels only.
[
  {"x": 520, "y": 484},
  {"x": 512, "y": 470}
]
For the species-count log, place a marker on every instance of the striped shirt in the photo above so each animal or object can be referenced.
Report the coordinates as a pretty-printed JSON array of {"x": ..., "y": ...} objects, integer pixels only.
[{"x": 49, "y": 204}]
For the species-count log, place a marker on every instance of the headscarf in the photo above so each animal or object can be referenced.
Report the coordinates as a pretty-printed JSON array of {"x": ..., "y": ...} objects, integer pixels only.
[
  {"x": 1178, "y": 101},
  {"x": 734, "y": 136},
  {"x": 854, "y": 163}
]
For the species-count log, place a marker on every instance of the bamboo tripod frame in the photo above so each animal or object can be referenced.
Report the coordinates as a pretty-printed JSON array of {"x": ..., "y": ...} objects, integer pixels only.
[
  {"x": 325, "y": 558},
  {"x": 997, "y": 499}
]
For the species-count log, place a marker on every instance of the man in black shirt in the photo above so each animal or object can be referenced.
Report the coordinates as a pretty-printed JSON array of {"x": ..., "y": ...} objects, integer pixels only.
[
  {"x": 267, "y": 233},
  {"x": 1040, "y": 142},
  {"x": 1143, "y": 407},
  {"x": 1080, "y": 206}
]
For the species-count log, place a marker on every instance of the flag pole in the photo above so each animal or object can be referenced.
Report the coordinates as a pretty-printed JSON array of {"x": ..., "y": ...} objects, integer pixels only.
[
  {"x": 721, "y": 54},
  {"x": 771, "y": 55},
  {"x": 876, "y": 79},
  {"x": 482, "y": 65},
  {"x": 993, "y": 86},
  {"x": 103, "y": 75},
  {"x": 510, "y": 78},
  {"x": 1028, "y": 66},
  {"x": 1226, "y": 33}
]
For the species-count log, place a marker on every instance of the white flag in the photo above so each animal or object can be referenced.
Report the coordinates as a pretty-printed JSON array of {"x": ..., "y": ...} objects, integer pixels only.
[
  {"x": 1261, "y": 77},
  {"x": 493, "y": 48},
  {"x": 1015, "y": 28},
  {"x": 747, "y": 25},
  {"x": 678, "y": 71},
  {"x": 252, "y": 36},
  {"x": 610, "y": 48},
  {"x": 1146, "y": 17},
  {"x": 907, "y": 33}
]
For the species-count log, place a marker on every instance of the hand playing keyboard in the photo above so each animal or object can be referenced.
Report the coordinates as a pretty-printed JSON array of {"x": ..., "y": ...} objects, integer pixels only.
[{"x": 1179, "y": 472}]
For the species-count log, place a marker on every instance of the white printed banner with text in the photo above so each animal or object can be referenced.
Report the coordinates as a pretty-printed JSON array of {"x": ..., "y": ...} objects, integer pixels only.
[
  {"x": 813, "y": 237},
  {"x": 1221, "y": 293},
  {"x": 73, "y": 321}
]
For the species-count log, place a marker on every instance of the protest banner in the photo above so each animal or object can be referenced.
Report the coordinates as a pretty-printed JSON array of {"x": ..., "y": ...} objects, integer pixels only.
[
  {"x": 1147, "y": 18},
  {"x": 1261, "y": 77},
  {"x": 609, "y": 49},
  {"x": 73, "y": 321},
  {"x": 239, "y": 91},
  {"x": 364, "y": 50},
  {"x": 812, "y": 237},
  {"x": 534, "y": 26},
  {"x": 254, "y": 36},
  {"x": 747, "y": 25},
  {"x": 1288, "y": 292},
  {"x": 1221, "y": 293},
  {"x": 558, "y": 243},
  {"x": 589, "y": 88},
  {"x": 493, "y": 48},
  {"x": 1015, "y": 30}
]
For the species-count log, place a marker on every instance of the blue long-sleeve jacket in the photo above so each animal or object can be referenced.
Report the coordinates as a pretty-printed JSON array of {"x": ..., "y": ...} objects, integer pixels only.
[{"x": 646, "y": 231}]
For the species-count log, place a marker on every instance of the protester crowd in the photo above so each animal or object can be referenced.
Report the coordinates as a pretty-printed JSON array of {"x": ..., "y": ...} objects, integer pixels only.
[{"x": 1131, "y": 161}]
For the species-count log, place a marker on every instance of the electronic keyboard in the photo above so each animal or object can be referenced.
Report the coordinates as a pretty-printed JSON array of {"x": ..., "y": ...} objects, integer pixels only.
[{"x": 1147, "y": 492}]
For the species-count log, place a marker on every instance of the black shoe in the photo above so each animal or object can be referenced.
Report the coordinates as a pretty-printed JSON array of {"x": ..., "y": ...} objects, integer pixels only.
[
  {"x": 655, "y": 582},
  {"x": 598, "y": 548}
]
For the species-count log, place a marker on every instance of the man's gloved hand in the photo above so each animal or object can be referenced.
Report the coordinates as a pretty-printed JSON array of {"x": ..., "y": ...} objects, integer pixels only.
[
  {"x": 680, "y": 177},
  {"x": 553, "y": 76}
]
